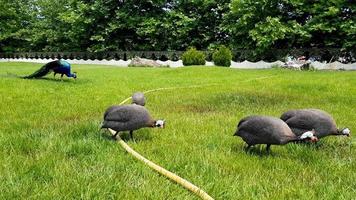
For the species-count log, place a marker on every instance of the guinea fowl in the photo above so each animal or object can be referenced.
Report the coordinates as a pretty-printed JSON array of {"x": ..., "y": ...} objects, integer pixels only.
[
  {"x": 139, "y": 98},
  {"x": 268, "y": 130},
  {"x": 129, "y": 118},
  {"x": 306, "y": 119},
  {"x": 58, "y": 67}
]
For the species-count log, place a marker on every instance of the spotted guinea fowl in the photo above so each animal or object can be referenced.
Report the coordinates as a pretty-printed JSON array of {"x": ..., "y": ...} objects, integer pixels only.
[
  {"x": 306, "y": 119},
  {"x": 139, "y": 98},
  {"x": 268, "y": 130},
  {"x": 129, "y": 118},
  {"x": 58, "y": 67}
]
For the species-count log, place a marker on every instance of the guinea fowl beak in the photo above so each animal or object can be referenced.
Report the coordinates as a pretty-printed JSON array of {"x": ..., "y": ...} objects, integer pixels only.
[{"x": 348, "y": 134}]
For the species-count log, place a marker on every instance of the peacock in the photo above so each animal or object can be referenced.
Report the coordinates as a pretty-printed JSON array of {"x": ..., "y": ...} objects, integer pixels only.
[{"x": 58, "y": 67}]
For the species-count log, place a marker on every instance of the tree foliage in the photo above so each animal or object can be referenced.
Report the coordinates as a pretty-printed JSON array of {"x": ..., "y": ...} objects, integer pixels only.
[
  {"x": 15, "y": 24},
  {"x": 266, "y": 24},
  {"x": 110, "y": 25}
]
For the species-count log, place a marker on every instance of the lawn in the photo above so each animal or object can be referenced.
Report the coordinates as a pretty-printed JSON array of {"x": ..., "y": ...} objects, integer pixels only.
[{"x": 51, "y": 146}]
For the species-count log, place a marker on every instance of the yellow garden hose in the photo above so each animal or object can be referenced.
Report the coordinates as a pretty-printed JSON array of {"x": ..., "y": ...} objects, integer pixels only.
[
  {"x": 196, "y": 190},
  {"x": 163, "y": 171}
]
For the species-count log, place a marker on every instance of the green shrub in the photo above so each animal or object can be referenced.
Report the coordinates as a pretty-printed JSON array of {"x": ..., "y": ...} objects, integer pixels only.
[
  {"x": 193, "y": 57},
  {"x": 222, "y": 57}
]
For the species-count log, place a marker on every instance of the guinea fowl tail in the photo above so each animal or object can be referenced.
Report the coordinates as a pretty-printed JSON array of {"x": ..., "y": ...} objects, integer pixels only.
[
  {"x": 101, "y": 125},
  {"x": 104, "y": 124},
  {"x": 285, "y": 116}
]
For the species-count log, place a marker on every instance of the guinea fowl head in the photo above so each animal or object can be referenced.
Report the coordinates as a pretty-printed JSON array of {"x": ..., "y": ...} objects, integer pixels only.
[
  {"x": 159, "y": 123},
  {"x": 345, "y": 131},
  {"x": 74, "y": 75},
  {"x": 309, "y": 136},
  {"x": 138, "y": 98}
]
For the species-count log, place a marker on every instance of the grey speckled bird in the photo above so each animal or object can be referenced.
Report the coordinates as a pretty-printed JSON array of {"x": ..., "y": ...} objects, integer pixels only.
[
  {"x": 268, "y": 130},
  {"x": 306, "y": 119},
  {"x": 129, "y": 118},
  {"x": 139, "y": 98}
]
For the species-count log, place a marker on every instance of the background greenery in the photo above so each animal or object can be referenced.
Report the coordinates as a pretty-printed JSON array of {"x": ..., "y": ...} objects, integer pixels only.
[
  {"x": 222, "y": 56},
  {"x": 111, "y": 25},
  {"x": 51, "y": 146},
  {"x": 193, "y": 57}
]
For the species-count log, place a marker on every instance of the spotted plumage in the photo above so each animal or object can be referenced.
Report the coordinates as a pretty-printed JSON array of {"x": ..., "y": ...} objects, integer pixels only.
[
  {"x": 306, "y": 119},
  {"x": 268, "y": 130},
  {"x": 129, "y": 118}
]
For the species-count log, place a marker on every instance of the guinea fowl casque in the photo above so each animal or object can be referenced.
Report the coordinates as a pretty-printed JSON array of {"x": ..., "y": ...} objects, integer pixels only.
[
  {"x": 268, "y": 130},
  {"x": 129, "y": 118},
  {"x": 306, "y": 119},
  {"x": 58, "y": 67}
]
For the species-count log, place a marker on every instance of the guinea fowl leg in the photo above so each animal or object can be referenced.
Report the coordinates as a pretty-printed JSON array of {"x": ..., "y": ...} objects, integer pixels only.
[
  {"x": 248, "y": 147},
  {"x": 62, "y": 77},
  {"x": 114, "y": 136},
  {"x": 268, "y": 148},
  {"x": 54, "y": 75},
  {"x": 131, "y": 135}
]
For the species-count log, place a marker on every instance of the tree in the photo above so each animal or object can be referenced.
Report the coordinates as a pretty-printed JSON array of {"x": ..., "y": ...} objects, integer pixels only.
[
  {"x": 111, "y": 25},
  {"x": 267, "y": 24},
  {"x": 206, "y": 16},
  {"x": 15, "y": 20}
]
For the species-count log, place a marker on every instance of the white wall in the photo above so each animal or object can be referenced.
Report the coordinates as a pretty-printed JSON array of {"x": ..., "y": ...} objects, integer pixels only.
[{"x": 241, "y": 65}]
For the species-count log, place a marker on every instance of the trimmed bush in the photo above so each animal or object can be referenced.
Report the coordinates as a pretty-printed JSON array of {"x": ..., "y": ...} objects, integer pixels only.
[
  {"x": 193, "y": 57},
  {"x": 222, "y": 57}
]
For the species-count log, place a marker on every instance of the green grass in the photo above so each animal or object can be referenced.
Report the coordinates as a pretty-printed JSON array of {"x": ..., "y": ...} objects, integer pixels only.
[{"x": 51, "y": 146}]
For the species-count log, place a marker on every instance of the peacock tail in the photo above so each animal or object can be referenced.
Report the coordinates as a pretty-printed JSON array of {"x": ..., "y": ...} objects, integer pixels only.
[{"x": 44, "y": 70}]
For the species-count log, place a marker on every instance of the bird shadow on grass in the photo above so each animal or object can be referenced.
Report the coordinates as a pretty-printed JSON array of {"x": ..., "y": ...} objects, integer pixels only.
[
  {"x": 55, "y": 80},
  {"x": 142, "y": 135},
  {"x": 257, "y": 150},
  {"x": 78, "y": 81},
  {"x": 68, "y": 81},
  {"x": 11, "y": 75},
  {"x": 8, "y": 75},
  {"x": 303, "y": 145}
]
